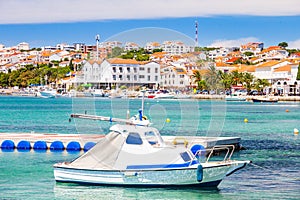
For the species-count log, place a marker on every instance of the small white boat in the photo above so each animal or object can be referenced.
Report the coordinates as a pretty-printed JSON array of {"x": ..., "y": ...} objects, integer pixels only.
[
  {"x": 47, "y": 93},
  {"x": 134, "y": 154},
  {"x": 235, "y": 98}
]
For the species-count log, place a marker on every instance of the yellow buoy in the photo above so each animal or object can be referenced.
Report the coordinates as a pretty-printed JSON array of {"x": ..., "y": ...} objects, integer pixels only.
[
  {"x": 296, "y": 131},
  {"x": 168, "y": 120},
  {"x": 246, "y": 120}
]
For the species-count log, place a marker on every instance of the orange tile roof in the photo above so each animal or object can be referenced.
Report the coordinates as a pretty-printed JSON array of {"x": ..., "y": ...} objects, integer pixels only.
[
  {"x": 246, "y": 68},
  {"x": 123, "y": 61},
  {"x": 269, "y": 63},
  {"x": 285, "y": 68}
]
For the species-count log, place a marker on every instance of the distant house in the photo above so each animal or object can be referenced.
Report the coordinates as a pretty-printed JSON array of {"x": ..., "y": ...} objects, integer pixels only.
[
  {"x": 174, "y": 77},
  {"x": 150, "y": 46},
  {"x": 130, "y": 46},
  {"x": 254, "y": 47},
  {"x": 274, "y": 53}
]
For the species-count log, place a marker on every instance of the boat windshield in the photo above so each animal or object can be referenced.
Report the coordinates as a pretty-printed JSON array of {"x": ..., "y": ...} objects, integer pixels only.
[{"x": 153, "y": 137}]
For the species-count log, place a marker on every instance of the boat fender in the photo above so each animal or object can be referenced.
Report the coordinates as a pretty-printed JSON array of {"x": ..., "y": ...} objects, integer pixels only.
[
  {"x": 199, "y": 173},
  {"x": 144, "y": 117}
]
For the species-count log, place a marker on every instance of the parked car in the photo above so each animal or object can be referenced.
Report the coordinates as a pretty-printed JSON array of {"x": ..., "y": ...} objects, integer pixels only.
[{"x": 242, "y": 92}]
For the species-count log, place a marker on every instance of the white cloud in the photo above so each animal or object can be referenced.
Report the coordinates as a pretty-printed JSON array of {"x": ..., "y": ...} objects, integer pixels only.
[
  {"x": 294, "y": 44},
  {"x": 48, "y": 11},
  {"x": 233, "y": 43}
]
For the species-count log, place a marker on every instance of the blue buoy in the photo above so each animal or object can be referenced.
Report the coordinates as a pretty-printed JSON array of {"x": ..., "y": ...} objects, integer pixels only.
[
  {"x": 8, "y": 145},
  {"x": 199, "y": 150},
  {"x": 88, "y": 146},
  {"x": 57, "y": 146},
  {"x": 24, "y": 145},
  {"x": 73, "y": 146},
  {"x": 40, "y": 145}
]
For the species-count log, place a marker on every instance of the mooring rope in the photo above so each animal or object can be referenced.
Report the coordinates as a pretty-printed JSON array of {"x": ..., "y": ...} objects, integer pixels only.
[{"x": 275, "y": 172}]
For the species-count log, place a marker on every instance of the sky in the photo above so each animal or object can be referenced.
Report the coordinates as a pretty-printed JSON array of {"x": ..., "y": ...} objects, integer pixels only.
[{"x": 221, "y": 23}]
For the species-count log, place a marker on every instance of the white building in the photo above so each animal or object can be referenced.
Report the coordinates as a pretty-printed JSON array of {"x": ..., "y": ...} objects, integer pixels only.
[
  {"x": 23, "y": 46},
  {"x": 176, "y": 47},
  {"x": 219, "y": 52},
  {"x": 130, "y": 46},
  {"x": 175, "y": 77},
  {"x": 117, "y": 72}
]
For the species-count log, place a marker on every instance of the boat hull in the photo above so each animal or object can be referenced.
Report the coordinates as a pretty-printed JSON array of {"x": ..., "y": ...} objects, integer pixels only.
[{"x": 211, "y": 176}]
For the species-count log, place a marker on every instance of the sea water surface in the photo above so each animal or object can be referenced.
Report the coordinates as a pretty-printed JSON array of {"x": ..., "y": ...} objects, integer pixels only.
[{"x": 268, "y": 138}]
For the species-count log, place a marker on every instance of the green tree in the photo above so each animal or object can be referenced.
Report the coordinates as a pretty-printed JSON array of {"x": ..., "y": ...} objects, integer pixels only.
[
  {"x": 197, "y": 78},
  {"x": 248, "y": 53},
  {"x": 115, "y": 52},
  {"x": 212, "y": 78},
  {"x": 236, "y": 77},
  {"x": 157, "y": 50},
  {"x": 226, "y": 79},
  {"x": 247, "y": 79},
  {"x": 283, "y": 44},
  {"x": 260, "y": 84},
  {"x": 298, "y": 73}
]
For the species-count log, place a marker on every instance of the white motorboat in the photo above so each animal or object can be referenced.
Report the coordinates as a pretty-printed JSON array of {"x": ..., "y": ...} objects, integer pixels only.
[
  {"x": 235, "y": 98},
  {"x": 47, "y": 93},
  {"x": 134, "y": 154}
]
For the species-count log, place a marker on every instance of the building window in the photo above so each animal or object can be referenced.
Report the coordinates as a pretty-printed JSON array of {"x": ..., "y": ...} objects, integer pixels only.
[
  {"x": 156, "y": 78},
  {"x": 128, "y": 77},
  {"x": 148, "y": 78},
  {"x": 148, "y": 70},
  {"x": 134, "y": 70},
  {"x": 114, "y": 69},
  {"x": 120, "y": 77},
  {"x": 141, "y": 76},
  {"x": 156, "y": 70},
  {"x": 135, "y": 77},
  {"x": 120, "y": 69},
  {"x": 128, "y": 69},
  {"x": 142, "y": 69},
  {"x": 114, "y": 77}
]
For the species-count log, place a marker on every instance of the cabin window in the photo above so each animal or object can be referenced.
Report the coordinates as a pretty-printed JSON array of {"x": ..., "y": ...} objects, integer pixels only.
[
  {"x": 151, "y": 137},
  {"x": 185, "y": 156},
  {"x": 134, "y": 138}
]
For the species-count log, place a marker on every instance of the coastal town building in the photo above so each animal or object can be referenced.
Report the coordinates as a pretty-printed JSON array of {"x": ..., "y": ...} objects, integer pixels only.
[
  {"x": 176, "y": 47},
  {"x": 175, "y": 77},
  {"x": 254, "y": 47},
  {"x": 117, "y": 72}
]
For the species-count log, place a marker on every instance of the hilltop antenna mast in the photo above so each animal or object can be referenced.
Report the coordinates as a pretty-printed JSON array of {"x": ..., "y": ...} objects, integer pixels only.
[
  {"x": 97, "y": 46},
  {"x": 196, "y": 33}
]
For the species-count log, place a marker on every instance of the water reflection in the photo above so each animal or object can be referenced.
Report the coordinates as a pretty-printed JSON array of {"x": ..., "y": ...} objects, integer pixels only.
[{"x": 74, "y": 191}]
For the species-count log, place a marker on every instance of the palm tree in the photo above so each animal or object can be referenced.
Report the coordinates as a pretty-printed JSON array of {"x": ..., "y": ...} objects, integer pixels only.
[
  {"x": 212, "y": 78},
  {"x": 196, "y": 77},
  {"x": 260, "y": 84},
  {"x": 226, "y": 79},
  {"x": 247, "y": 79},
  {"x": 236, "y": 77}
]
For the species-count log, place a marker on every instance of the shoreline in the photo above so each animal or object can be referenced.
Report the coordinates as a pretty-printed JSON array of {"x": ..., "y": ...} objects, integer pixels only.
[{"x": 193, "y": 96}]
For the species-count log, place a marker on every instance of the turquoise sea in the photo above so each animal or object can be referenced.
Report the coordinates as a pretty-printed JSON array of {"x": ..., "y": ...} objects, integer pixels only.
[{"x": 268, "y": 138}]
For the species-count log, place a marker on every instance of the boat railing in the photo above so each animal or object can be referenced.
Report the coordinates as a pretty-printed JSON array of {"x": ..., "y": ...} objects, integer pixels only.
[{"x": 228, "y": 148}]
